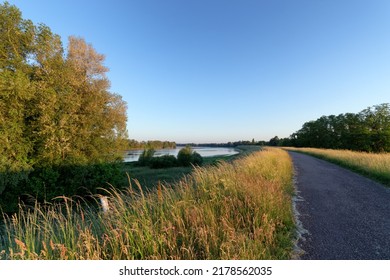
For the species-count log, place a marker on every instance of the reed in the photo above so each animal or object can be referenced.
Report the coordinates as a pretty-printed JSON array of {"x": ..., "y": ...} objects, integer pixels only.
[
  {"x": 373, "y": 165},
  {"x": 237, "y": 210}
]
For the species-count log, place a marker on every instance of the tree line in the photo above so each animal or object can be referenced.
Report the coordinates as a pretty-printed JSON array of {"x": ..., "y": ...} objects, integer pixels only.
[
  {"x": 154, "y": 144},
  {"x": 368, "y": 130},
  {"x": 55, "y": 105},
  {"x": 228, "y": 144}
]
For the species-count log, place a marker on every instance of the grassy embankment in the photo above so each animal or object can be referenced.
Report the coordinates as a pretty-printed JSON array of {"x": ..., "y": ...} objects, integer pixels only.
[
  {"x": 237, "y": 210},
  {"x": 375, "y": 166},
  {"x": 149, "y": 177}
]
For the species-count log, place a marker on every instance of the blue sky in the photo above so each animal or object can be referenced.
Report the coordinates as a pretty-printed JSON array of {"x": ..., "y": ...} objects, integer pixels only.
[{"x": 218, "y": 71}]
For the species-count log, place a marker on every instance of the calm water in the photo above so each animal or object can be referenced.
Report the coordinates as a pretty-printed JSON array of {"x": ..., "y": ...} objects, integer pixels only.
[{"x": 203, "y": 151}]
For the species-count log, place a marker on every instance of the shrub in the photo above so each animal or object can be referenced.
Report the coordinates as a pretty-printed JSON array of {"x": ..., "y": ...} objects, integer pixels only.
[
  {"x": 165, "y": 161},
  {"x": 196, "y": 159},
  {"x": 185, "y": 155},
  {"x": 45, "y": 183},
  {"x": 146, "y": 157}
]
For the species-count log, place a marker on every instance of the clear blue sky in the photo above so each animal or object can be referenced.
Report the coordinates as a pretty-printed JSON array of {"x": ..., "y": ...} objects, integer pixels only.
[{"x": 220, "y": 70}]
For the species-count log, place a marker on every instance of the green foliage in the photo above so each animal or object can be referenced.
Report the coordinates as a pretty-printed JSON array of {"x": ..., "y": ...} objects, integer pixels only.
[
  {"x": 54, "y": 107},
  {"x": 150, "y": 177},
  {"x": 187, "y": 156},
  {"x": 184, "y": 156},
  {"x": 274, "y": 141},
  {"x": 367, "y": 131},
  {"x": 155, "y": 144},
  {"x": 196, "y": 159},
  {"x": 146, "y": 157},
  {"x": 56, "y": 111},
  {"x": 230, "y": 211},
  {"x": 44, "y": 184},
  {"x": 165, "y": 161}
]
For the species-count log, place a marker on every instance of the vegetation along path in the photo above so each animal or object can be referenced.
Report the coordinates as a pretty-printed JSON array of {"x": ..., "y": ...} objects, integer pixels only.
[{"x": 344, "y": 215}]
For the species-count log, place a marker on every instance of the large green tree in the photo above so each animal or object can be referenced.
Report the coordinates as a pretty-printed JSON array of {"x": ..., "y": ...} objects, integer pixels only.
[
  {"x": 56, "y": 107},
  {"x": 16, "y": 43},
  {"x": 377, "y": 127},
  {"x": 100, "y": 116}
]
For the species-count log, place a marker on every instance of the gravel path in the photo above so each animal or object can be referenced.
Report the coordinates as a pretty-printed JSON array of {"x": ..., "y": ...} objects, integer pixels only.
[{"x": 346, "y": 216}]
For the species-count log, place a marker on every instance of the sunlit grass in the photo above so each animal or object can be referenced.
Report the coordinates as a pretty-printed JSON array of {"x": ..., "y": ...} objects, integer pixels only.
[
  {"x": 376, "y": 166},
  {"x": 239, "y": 210},
  {"x": 149, "y": 177}
]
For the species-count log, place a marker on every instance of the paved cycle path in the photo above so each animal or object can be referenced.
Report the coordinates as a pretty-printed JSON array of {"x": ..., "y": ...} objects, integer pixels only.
[{"x": 346, "y": 216}]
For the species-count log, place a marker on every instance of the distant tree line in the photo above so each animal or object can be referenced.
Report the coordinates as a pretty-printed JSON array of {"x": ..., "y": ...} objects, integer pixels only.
[
  {"x": 228, "y": 144},
  {"x": 56, "y": 110},
  {"x": 368, "y": 130},
  {"x": 155, "y": 144}
]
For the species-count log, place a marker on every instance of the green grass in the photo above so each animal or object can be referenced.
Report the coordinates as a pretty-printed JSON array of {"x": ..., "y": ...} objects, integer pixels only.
[
  {"x": 372, "y": 165},
  {"x": 247, "y": 149},
  {"x": 235, "y": 210},
  {"x": 149, "y": 178}
]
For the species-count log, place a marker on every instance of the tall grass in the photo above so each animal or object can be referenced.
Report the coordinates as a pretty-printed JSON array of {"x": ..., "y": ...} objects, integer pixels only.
[
  {"x": 239, "y": 210},
  {"x": 375, "y": 166}
]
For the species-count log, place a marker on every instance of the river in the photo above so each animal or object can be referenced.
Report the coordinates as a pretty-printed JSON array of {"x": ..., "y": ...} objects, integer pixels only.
[{"x": 133, "y": 155}]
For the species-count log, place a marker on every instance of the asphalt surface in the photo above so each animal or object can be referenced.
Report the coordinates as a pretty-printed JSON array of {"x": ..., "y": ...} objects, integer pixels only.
[{"x": 344, "y": 215}]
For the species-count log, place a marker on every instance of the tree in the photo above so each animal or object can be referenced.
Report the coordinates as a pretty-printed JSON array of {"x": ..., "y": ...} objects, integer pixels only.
[
  {"x": 46, "y": 113},
  {"x": 377, "y": 124},
  {"x": 99, "y": 116},
  {"x": 196, "y": 159},
  {"x": 274, "y": 141},
  {"x": 368, "y": 130},
  {"x": 56, "y": 110},
  {"x": 187, "y": 156},
  {"x": 184, "y": 156},
  {"x": 146, "y": 157},
  {"x": 16, "y": 37}
]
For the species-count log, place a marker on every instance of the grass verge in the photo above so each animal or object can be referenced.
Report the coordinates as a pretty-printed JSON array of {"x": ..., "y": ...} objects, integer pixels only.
[
  {"x": 238, "y": 210},
  {"x": 375, "y": 166}
]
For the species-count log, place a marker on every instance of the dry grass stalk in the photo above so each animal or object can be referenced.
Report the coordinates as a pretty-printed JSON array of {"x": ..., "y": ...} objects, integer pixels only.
[{"x": 239, "y": 210}]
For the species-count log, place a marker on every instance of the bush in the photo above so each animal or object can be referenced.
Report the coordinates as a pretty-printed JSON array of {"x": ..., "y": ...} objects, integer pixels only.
[
  {"x": 196, "y": 159},
  {"x": 165, "y": 161},
  {"x": 146, "y": 157},
  {"x": 184, "y": 156},
  {"x": 187, "y": 156},
  {"x": 45, "y": 183}
]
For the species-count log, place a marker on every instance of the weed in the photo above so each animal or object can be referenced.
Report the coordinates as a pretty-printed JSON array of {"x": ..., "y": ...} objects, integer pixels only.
[{"x": 233, "y": 210}]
